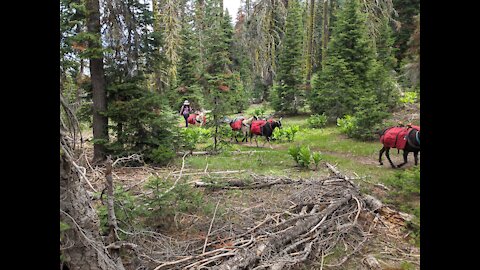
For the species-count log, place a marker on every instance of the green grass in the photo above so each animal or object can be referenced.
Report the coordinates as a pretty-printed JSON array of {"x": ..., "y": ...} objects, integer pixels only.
[
  {"x": 351, "y": 156},
  {"x": 334, "y": 146},
  {"x": 264, "y": 162},
  {"x": 331, "y": 139}
]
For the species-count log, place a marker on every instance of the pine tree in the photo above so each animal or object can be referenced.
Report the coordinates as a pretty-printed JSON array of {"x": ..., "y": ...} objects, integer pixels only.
[
  {"x": 240, "y": 60},
  {"x": 142, "y": 120},
  {"x": 348, "y": 68},
  {"x": 335, "y": 89},
  {"x": 288, "y": 95},
  {"x": 188, "y": 86},
  {"x": 384, "y": 74},
  {"x": 384, "y": 45},
  {"x": 411, "y": 63},
  {"x": 406, "y": 10},
  {"x": 220, "y": 83},
  {"x": 350, "y": 41}
]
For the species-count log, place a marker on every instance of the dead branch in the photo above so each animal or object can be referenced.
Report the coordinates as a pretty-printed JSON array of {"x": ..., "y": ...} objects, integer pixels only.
[
  {"x": 134, "y": 157},
  {"x": 218, "y": 172},
  {"x": 176, "y": 181},
  {"x": 210, "y": 228},
  {"x": 112, "y": 219}
]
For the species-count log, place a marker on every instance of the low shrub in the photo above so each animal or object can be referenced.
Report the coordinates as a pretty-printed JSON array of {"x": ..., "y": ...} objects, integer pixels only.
[
  {"x": 303, "y": 156},
  {"x": 317, "y": 121}
]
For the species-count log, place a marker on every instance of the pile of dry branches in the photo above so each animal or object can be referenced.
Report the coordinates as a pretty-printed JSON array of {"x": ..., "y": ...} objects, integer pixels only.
[{"x": 321, "y": 216}]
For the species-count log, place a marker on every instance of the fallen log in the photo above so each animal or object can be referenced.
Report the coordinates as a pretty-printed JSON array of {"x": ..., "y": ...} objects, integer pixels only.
[{"x": 240, "y": 184}]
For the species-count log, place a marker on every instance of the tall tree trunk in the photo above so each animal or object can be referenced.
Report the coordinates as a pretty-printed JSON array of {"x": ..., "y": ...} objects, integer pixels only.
[
  {"x": 325, "y": 21},
  {"x": 100, "y": 122},
  {"x": 310, "y": 41},
  {"x": 199, "y": 24},
  {"x": 85, "y": 248},
  {"x": 156, "y": 28}
]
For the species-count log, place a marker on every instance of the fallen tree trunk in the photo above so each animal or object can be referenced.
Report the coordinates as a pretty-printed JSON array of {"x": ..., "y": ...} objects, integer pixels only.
[
  {"x": 85, "y": 248},
  {"x": 241, "y": 184}
]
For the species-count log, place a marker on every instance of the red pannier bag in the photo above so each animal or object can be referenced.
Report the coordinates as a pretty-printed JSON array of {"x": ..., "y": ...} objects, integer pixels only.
[
  {"x": 191, "y": 119},
  {"x": 395, "y": 137},
  {"x": 237, "y": 125},
  {"x": 255, "y": 127}
]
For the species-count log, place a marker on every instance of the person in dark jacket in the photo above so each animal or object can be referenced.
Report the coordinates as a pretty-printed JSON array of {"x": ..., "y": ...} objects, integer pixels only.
[{"x": 185, "y": 111}]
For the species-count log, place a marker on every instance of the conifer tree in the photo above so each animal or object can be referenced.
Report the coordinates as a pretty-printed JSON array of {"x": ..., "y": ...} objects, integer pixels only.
[
  {"x": 350, "y": 41},
  {"x": 220, "y": 82},
  {"x": 411, "y": 63},
  {"x": 384, "y": 45},
  {"x": 240, "y": 60},
  {"x": 142, "y": 119},
  {"x": 406, "y": 9},
  {"x": 384, "y": 74},
  {"x": 348, "y": 68},
  {"x": 288, "y": 95},
  {"x": 188, "y": 86}
]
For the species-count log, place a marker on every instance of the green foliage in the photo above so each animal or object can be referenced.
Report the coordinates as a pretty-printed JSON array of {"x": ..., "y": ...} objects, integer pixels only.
[
  {"x": 409, "y": 97},
  {"x": 405, "y": 182},
  {"x": 385, "y": 48},
  {"x": 384, "y": 86},
  {"x": 128, "y": 210},
  {"x": 223, "y": 89},
  {"x": 142, "y": 122},
  {"x": 346, "y": 124},
  {"x": 303, "y": 156},
  {"x": 188, "y": 84},
  {"x": 161, "y": 155},
  {"x": 287, "y": 133},
  {"x": 316, "y": 159},
  {"x": 193, "y": 135},
  {"x": 407, "y": 266},
  {"x": 406, "y": 9},
  {"x": 294, "y": 151},
  {"x": 290, "y": 132},
  {"x": 63, "y": 227},
  {"x": 350, "y": 40},
  {"x": 347, "y": 78},
  {"x": 260, "y": 111},
  {"x": 336, "y": 90},
  {"x": 162, "y": 205},
  {"x": 364, "y": 124},
  {"x": 287, "y": 94},
  {"x": 317, "y": 121},
  {"x": 368, "y": 119}
]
